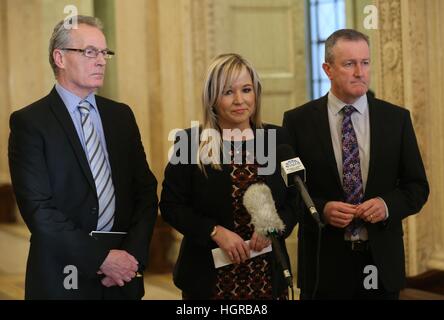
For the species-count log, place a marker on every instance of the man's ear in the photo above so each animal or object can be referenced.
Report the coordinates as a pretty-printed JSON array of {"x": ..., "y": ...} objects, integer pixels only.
[
  {"x": 59, "y": 59},
  {"x": 327, "y": 69}
]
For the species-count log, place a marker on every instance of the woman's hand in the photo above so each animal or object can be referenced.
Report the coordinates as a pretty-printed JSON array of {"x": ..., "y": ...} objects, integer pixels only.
[
  {"x": 259, "y": 242},
  {"x": 232, "y": 244}
]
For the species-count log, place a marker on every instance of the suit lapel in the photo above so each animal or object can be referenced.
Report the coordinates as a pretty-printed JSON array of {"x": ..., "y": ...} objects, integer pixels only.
[
  {"x": 376, "y": 136},
  {"x": 320, "y": 121},
  {"x": 62, "y": 115},
  {"x": 107, "y": 124}
]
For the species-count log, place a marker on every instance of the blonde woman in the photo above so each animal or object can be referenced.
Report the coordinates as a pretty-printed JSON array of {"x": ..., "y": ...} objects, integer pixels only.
[{"x": 204, "y": 200}]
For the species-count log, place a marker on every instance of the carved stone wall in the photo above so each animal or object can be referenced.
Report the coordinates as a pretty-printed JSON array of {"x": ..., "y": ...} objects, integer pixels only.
[
  {"x": 407, "y": 40},
  {"x": 435, "y": 132}
]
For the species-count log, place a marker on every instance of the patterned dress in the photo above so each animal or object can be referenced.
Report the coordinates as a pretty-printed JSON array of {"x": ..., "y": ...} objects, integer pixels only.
[{"x": 251, "y": 279}]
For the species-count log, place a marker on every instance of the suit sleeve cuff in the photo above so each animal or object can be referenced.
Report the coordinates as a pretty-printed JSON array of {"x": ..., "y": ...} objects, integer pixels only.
[{"x": 386, "y": 209}]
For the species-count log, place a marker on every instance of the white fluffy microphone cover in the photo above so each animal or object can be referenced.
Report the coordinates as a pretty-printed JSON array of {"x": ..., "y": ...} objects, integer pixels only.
[{"x": 260, "y": 204}]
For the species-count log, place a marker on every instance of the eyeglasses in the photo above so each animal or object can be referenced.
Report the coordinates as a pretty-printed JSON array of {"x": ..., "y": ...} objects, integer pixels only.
[{"x": 92, "y": 52}]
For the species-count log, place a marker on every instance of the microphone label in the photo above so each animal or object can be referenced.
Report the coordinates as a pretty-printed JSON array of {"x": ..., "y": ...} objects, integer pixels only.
[{"x": 290, "y": 167}]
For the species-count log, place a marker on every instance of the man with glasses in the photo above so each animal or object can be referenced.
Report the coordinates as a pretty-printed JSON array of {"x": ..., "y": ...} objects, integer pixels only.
[{"x": 78, "y": 165}]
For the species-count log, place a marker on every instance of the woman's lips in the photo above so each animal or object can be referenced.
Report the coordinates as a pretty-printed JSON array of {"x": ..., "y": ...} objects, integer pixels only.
[{"x": 239, "y": 111}]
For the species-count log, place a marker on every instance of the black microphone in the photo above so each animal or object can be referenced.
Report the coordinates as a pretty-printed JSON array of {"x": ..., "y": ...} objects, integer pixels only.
[
  {"x": 293, "y": 173},
  {"x": 259, "y": 202}
]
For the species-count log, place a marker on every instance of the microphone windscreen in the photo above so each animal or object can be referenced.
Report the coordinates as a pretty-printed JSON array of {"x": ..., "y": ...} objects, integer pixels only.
[{"x": 259, "y": 202}]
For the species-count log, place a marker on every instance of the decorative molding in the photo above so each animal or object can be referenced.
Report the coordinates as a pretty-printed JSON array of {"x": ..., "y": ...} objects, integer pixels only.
[
  {"x": 390, "y": 42},
  {"x": 391, "y": 80},
  {"x": 410, "y": 76},
  {"x": 416, "y": 66},
  {"x": 434, "y": 132}
]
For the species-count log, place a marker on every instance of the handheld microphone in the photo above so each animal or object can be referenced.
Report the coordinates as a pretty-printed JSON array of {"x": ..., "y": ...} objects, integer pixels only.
[
  {"x": 293, "y": 173},
  {"x": 259, "y": 202}
]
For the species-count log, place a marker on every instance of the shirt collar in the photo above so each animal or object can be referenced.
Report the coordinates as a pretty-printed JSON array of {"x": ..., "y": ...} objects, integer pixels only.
[
  {"x": 71, "y": 100},
  {"x": 336, "y": 105}
]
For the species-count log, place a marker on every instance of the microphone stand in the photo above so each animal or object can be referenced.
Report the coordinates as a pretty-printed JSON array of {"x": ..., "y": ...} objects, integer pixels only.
[
  {"x": 318, "y": 254},
  {"x": 281, "y": 260},
  {"x": 314, "y": 213}
]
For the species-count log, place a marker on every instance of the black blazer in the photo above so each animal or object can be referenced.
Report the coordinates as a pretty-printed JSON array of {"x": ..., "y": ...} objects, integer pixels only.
[
  {"x": 194, "y": 204},
  {"x": 57, "y": 198},
  {"x": 396, "y": 174}
]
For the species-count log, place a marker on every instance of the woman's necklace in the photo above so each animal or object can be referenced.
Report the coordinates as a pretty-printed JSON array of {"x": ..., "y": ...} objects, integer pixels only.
[{"x": 239, "y": 144}]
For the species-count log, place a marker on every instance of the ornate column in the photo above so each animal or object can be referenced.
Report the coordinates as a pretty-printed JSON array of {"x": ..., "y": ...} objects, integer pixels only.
[
  {"x": 407, "y": 46},
  {"x": 182, "y": 33},
  {"x": 435, "y": 134}
]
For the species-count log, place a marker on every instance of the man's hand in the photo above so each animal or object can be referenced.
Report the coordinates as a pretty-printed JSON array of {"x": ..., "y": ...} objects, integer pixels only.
[
  {"x": 372, "y": 210},
  {"x": 232, "y": 244},
  {"x": 120, "y": 266},
  {"x": 258, "y": 242},
  {"x": 108, "y": 282},
  {"x": 339, "y": 214}
]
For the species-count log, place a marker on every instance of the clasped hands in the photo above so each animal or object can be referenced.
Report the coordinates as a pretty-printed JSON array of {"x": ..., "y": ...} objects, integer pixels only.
[
  {"x": 340, "y": 214},
  {"x": 235, "y": 247},
  {"x": 119, "y": 267}
]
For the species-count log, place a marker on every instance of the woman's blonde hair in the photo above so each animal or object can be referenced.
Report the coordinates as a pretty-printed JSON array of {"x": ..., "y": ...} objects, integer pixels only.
[{"x": 223, "y": 70}]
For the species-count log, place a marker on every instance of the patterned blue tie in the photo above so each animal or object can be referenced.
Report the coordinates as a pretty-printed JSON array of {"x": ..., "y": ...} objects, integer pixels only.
[
  {"x": 351, "y": 175},
  {"x": 99, "y": 169}
]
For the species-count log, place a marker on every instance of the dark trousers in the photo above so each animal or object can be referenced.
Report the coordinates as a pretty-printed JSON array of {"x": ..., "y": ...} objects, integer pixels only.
[{"x": 360, "y": 257}]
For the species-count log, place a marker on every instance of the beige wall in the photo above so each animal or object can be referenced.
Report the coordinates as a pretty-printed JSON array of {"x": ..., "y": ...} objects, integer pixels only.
[
  {"x": 271, "y": 33},
  {"x": 25, "y": 28},
  {"x": 4, "y": 94},
  {"x": 131, "y": 26},
  {"x": 355, "y": 19}
]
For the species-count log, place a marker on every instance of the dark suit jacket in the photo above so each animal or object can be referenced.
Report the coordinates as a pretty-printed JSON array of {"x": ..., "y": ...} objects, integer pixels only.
[
  {"x": 57, "y": 198},
  {"x": 194, "y": 204},
  {"x": 396, "y": 174}
]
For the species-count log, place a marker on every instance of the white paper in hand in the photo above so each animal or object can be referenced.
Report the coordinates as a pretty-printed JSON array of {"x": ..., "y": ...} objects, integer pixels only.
[{"x": 221, "y": 259}]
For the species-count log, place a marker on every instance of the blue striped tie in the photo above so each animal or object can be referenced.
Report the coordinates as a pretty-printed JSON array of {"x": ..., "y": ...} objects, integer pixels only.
[{"x": 99, "y": 169}]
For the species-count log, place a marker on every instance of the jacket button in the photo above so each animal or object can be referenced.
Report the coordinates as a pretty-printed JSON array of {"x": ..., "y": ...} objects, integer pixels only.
[{"x": 93, "y": 210}]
